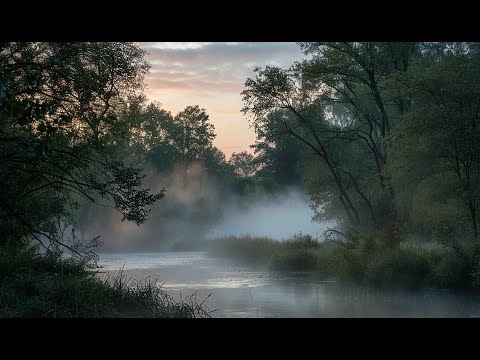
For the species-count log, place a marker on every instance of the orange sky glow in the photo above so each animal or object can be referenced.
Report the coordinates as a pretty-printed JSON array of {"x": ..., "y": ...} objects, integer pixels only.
[{"x": 212, "y": 75}]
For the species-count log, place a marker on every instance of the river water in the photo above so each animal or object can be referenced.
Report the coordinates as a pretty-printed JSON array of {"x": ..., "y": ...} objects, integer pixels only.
[{"x": 235, "y": 290}]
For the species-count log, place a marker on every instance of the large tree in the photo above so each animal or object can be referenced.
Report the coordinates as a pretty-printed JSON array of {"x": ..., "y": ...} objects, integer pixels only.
[
  {"x": 437, "y": 146},
  {"x": 353, "y": 80},
  {"x": 182, "y": 140},
  {"x": 280, "y": 106},
  {"x": 339, "y": 105},
  {"x": 59, "y": 116}
]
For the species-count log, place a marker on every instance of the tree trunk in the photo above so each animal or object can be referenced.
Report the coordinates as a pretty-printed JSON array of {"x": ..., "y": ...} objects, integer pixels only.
[
  {"x": 362, "y": 195},
  {"x": 474, "y": 220}
]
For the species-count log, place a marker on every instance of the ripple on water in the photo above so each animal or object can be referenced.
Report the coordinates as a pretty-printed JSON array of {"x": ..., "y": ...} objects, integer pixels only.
[
  {"x": 149, "y": 260},
  {"x": 240, "y": 291}
]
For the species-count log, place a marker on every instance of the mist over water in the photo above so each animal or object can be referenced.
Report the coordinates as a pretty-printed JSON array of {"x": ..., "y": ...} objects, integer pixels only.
[
  {"x": 279, "y": 218},
  {"x": 236, "y": 290},
  {"x": 196, "y": 208}
]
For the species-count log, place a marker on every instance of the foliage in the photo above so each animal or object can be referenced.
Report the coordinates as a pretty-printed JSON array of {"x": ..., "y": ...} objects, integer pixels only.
[
  {"x": 371, "y": 259},
  {"x": 48, "y": 285},
  {"x": 398, "y": 268},
  {"x": 60, "y": 129},
  {"x": 388, "y": 131},
  {"x": 243, "y": 164},
  {"x": 437, "y": 142},
  {"x": 299, "y": 253}
]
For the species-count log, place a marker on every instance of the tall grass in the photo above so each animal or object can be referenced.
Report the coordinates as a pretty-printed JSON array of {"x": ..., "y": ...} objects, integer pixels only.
[
  {"x": 48, "y": 285},
  {"x": 251, "y": 250},
  {"x": 301, "y": 252},
  {"x": 379, "y": 259}
]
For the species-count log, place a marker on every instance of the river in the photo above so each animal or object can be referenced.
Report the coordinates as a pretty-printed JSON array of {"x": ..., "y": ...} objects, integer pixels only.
[{"x": 242, "y": 291}]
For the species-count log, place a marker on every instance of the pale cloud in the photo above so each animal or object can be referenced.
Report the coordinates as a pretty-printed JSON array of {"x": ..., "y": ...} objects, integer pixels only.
[
  {"x": 212, "y": 75},
  {"x": 178, "y": 45},
  {"x": 182, "y": 45}
]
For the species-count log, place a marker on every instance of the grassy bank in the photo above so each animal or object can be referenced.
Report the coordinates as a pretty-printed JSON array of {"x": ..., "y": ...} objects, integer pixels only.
[
  {"x": 376, "y": 259},
  {"x": 34, "y": 285},
  {"x": 302, "y": 252}
]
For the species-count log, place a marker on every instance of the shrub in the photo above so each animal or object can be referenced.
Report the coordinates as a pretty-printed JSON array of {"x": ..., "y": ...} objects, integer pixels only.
[
  {"x": 448, "y": 270},
  {"x": 300, "y": 241},
  {"x": 355, "y": 254},
  {"x": 398, "y": 268},
  {"x": 351, "y": 264},
  {"x": 302, "y": 260},
  {"x": 253, "y": 250},
  {"x": 391, "y": 236}
]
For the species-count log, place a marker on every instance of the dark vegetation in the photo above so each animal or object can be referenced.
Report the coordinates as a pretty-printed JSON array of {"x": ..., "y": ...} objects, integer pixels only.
[
  {"x": 390, "y": 134},
  {"x": 292, "y": 254},
  {"x": 384, "y": 137},
  {"x": 78, "y": 141},
  {"x": 65, "y": 138},
  {"x": 365, "y": 260},
  {"x": 48, "y": 285}
]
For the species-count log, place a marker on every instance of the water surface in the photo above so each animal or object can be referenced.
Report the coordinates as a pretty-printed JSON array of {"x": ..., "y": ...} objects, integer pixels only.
[{"x": 241, "y": 291}]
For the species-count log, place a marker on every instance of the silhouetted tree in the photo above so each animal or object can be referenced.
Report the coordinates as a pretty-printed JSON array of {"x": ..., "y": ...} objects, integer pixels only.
[{"x": 59, "y": 116}]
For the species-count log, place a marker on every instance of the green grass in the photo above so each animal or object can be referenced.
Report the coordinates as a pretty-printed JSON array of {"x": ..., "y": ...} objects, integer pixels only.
[
  {"x": 34, "y": 285},
  {"x": 296, "y": 260},
  {"x": 300, "y": 253},
  {"x": 374, "y": 259},
  {"x": 405, "y": 268},
  {"x": 248, "y": 249}
]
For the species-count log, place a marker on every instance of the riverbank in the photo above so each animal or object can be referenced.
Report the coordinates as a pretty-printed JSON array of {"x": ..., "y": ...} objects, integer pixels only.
[
  {"x": 240, "y": 290},
  {"x": 373, "y": 260},
  {"x": 47, "y": 285}
]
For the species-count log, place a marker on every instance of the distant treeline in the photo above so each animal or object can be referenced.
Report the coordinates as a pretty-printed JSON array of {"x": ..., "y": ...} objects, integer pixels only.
[{"x": 76, "y": 131}]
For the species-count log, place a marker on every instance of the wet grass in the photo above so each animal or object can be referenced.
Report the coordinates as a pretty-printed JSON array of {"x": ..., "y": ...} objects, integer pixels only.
[
  {"x": 368, "y": 259},
  {"x": 34, "y": 285},
  {"x": 301, "y": 252}
]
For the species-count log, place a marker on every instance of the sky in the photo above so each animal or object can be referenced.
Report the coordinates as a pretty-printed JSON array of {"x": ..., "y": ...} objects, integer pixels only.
[{"x": 212, "y": 75}]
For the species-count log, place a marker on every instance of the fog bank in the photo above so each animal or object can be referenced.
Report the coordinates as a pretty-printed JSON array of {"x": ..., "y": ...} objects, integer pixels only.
[
  {"x": 196, "y": 208},
  {"x": 280, "y": 217}
]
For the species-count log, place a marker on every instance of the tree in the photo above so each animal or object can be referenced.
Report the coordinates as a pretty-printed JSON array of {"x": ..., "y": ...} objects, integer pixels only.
[
  {"x": 275, "y": 96},
  {"x": 182, "y": 140},
  {"x": 243, "y": 164},
  {"x": 217, "y": 165},
  {"x": 59, "y": 106},
  {"x": 279, "y": 158},
  {"x": 339, "y": 98},
  {"x": 353, "y": 79},
  {"x": 191, "y": 134},
  {"x": 438, "y": 141}
]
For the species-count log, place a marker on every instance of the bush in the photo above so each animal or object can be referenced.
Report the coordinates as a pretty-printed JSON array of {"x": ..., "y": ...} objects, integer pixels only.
[
  {"x": 297, "y": 260},
  {"x": 377, "y": 258},
  {"x": 300, "y": 241},
  {"x": 327, "y": 262},
  {"x": 398, "y": 268},
  {"x": 351, "y": 264},
  {"x": 391, "y": 235},
  {"x": 252, "y": 250},
  {"x": 292, "y": 254},
  {"x": 448, "y": 270},
  {"x": 354, "y": 256}
]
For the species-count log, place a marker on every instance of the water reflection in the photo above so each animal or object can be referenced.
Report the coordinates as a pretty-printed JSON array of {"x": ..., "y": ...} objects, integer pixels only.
[{"x": 240, "y": 291}]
